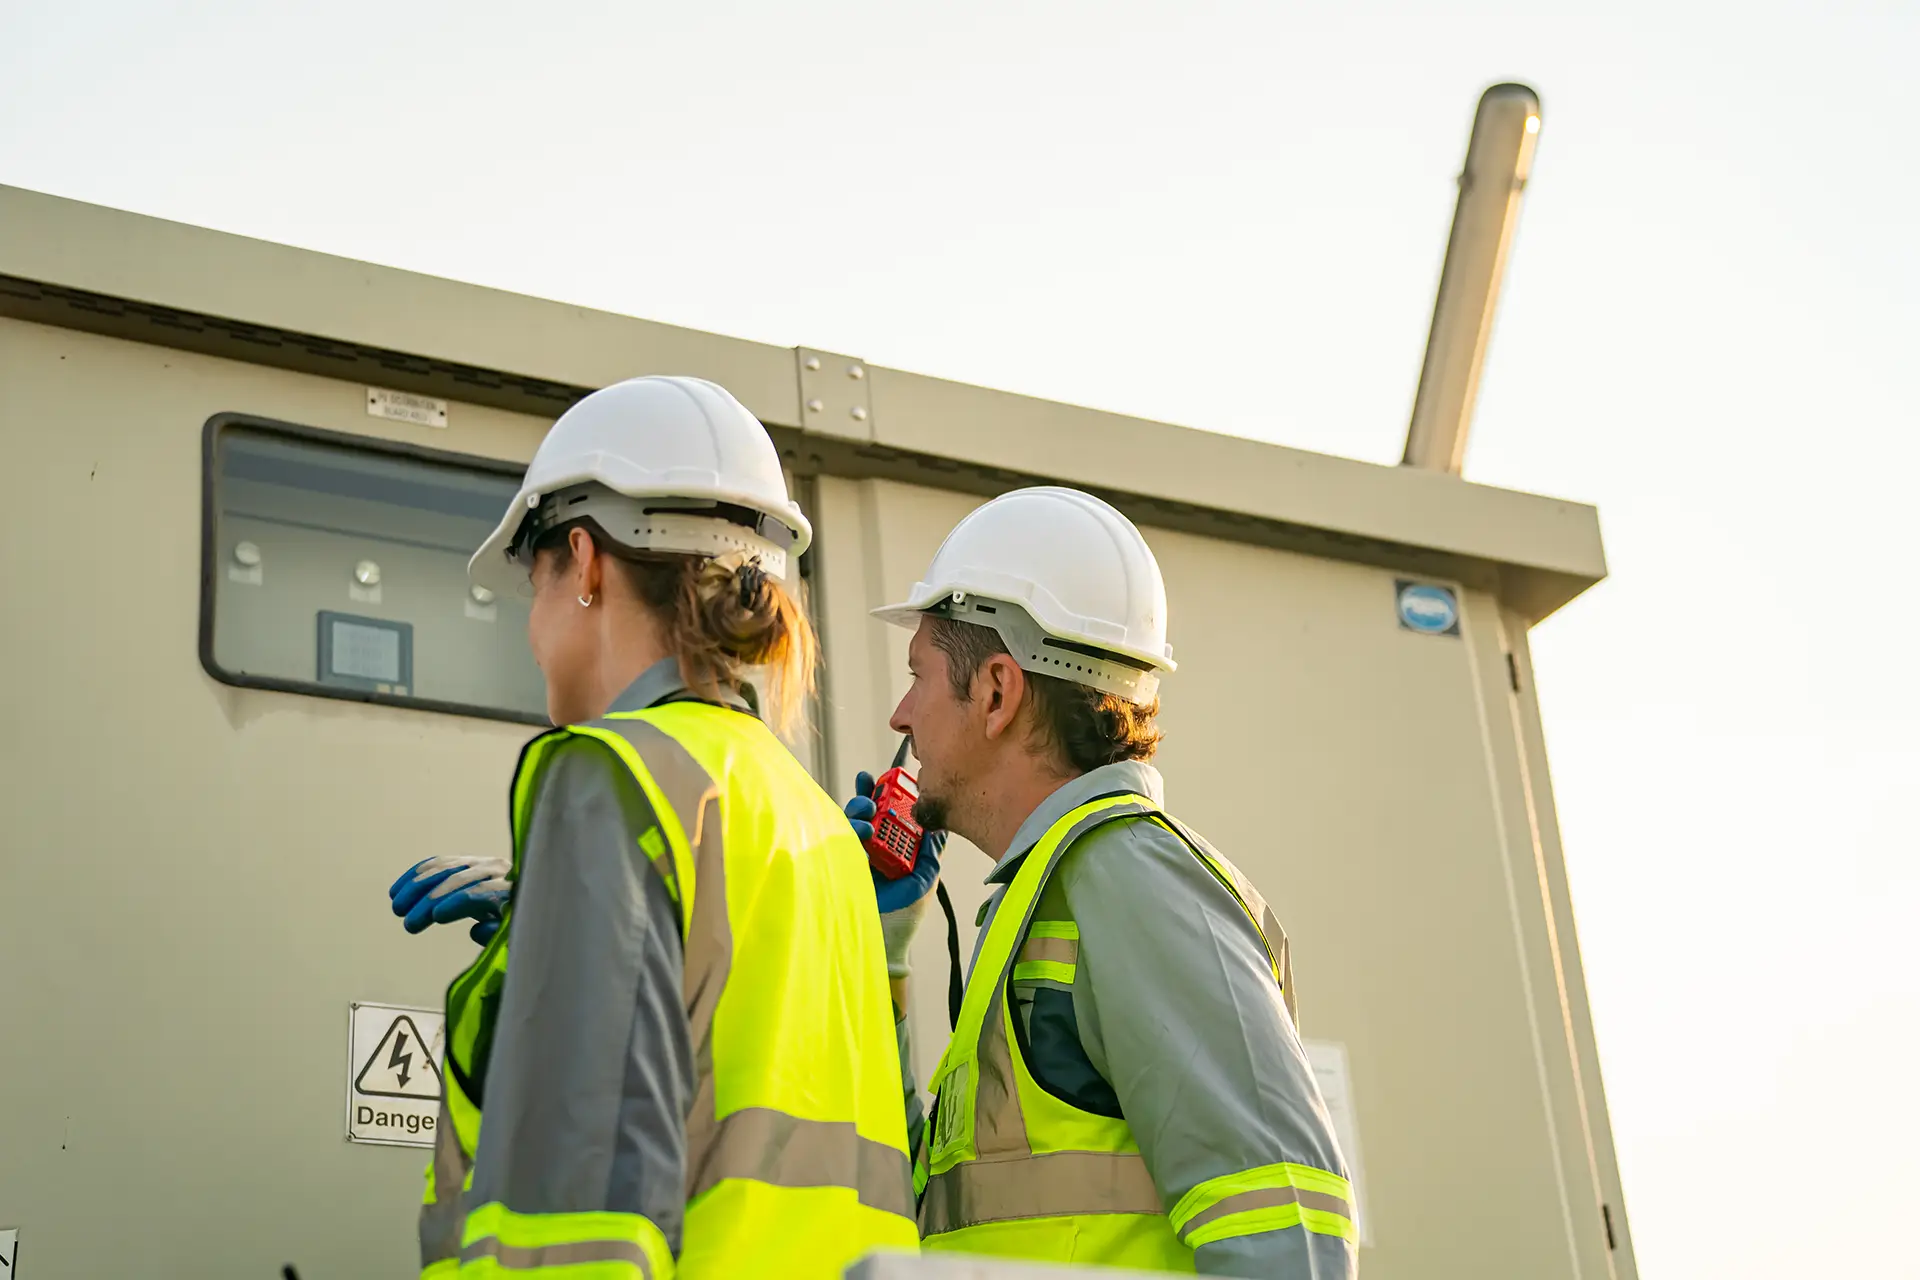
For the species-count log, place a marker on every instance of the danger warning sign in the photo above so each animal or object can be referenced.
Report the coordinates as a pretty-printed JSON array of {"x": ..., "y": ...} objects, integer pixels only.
[
  {"x": 393, "y": 1074},
  {"x": 400, "y": 1065}
]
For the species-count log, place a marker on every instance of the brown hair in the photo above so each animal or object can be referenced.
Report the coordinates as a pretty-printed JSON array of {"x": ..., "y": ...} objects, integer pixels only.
[
  {"x": 719, "y": 617},
  {"x": 1088, "y": 727}
]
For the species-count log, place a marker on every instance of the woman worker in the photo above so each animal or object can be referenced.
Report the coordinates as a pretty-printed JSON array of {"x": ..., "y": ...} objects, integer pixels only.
[{"x": 676, "y": 1053}]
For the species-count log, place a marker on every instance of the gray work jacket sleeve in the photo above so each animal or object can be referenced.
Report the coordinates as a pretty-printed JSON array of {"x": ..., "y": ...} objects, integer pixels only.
[
  {"x": 590, "y": 1079},
  {"x": 1178, "y": 1009}
]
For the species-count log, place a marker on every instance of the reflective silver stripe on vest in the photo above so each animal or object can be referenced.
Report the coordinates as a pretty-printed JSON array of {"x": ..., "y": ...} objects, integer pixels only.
[
  {"x": 1007, "y": 1180},
  {"x": 1061, "y": 950},
  {"x": 514, "y": 1258},
  {"x": 785, "y": 1151},
  {"x": 1267, "y": 1198},
  {"x": 443, "y": 1217},
  {"x": 758, "y": 1143},
  {"x": 694, "y": 797},
  {"x": 1056, "y": 1184}
]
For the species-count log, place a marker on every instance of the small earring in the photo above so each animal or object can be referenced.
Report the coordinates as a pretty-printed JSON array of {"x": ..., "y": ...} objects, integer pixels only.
[{"x": 586, "y": 602}]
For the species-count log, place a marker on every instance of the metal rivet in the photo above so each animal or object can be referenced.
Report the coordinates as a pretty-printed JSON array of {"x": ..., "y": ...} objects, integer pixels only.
[
  {"x": 855, "y": 372},
  {"x": 859, "y": 414},
  {"x": 815, "y": 406},
  {"x": 813, "y": 362},
  {"x": 246, "y": 554},
  {"x": 481, "y": 595},
  {"x": 367, "y": 573}
]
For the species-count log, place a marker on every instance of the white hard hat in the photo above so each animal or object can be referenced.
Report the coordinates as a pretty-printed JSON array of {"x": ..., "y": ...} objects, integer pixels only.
[
  {"x": 661, "y": 463},
  {"x": 1090, "y": 604}
]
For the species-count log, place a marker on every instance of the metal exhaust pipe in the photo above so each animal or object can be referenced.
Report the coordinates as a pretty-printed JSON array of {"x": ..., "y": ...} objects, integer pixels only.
[{"x": 1505, "y": 128}]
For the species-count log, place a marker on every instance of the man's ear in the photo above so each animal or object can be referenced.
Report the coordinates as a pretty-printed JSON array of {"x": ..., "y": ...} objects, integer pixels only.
[{"x": 1000, "y": 687}]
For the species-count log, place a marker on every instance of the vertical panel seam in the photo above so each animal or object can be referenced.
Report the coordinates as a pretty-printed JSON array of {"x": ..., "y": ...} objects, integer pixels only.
[
  {"x": 1471, "y": 649},
  {"x": 1525, "y": 768}
]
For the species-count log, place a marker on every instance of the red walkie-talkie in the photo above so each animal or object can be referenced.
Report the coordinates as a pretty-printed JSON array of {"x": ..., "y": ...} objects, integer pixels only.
[
  {"x": 896, "y": 836},
  {"x": 894, "y": 849}
]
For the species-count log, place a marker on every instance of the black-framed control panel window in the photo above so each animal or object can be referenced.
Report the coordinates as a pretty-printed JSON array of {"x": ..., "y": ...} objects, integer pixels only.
[{"x": 336, "y": 566}]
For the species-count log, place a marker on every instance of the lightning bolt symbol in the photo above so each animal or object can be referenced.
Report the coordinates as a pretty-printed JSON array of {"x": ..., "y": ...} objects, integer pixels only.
[{"x": 401, "y": 1061}]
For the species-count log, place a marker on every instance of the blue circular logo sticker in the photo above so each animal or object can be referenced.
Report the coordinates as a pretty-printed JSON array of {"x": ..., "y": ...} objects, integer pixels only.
[{"x": 1428, "y": 609}]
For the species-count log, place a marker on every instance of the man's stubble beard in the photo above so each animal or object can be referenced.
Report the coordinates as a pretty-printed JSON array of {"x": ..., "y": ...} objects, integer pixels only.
[
  {"x": 931, "y": 813},
  {"x": 932, "y": 808}
]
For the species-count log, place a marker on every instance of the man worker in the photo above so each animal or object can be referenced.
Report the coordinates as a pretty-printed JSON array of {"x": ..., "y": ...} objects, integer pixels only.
[{"x": 1126, "y": 1085}]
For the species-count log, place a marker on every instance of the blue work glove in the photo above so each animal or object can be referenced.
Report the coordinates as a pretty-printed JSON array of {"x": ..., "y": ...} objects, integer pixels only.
[
  {"x": 904, "y": 901},
  {"x": 440, "y": 890}
]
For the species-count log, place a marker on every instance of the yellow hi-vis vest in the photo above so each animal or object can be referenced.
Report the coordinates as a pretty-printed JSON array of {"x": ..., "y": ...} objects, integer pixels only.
[
  {"x": 1011, "y": 1170},
  {"x": 796, "y": 1148}
]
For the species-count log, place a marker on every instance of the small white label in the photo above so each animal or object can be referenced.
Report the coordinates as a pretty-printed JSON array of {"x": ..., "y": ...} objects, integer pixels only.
[
  {"x": 363, "y": 595},
  {"x": 246, "y": 575},
  {"x": 422, "y": 411},
  {"x": 393, "y": 1074},
  {"x": 482, "y": 612},
  {"x": 9, "y": 1252},
  {"x": 1328, "y": 1058}
]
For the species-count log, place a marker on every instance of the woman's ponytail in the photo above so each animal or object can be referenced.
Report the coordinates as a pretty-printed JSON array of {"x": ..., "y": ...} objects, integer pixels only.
[{"x": 723, "y": 618}]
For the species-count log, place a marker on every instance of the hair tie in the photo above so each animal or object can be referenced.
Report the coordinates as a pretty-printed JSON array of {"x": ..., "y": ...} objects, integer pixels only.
[{"x": 753, "y": 580}]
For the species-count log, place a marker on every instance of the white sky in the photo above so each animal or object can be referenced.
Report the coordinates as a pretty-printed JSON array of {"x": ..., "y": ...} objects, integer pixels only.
[{"x": 1232, "y": 216}]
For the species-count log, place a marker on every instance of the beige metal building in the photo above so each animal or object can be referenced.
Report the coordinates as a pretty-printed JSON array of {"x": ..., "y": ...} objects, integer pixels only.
[{"x": 248, "y": 685}]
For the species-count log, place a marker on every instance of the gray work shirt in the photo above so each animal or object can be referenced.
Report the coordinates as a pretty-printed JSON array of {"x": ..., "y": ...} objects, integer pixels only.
[
  {"x": 1173, "y": 1020},
  {"x": 590, "y": 1081}
]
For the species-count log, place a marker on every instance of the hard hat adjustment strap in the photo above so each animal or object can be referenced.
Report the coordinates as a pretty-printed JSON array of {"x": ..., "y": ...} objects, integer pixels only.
[
  {"x": 688, "y": 526},
  {"x": 1047, "y": 655}
]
